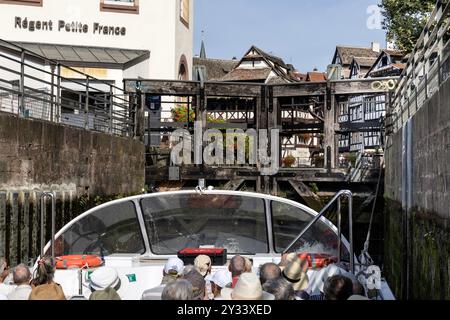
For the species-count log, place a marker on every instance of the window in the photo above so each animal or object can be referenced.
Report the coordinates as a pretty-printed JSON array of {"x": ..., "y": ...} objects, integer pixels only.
[
  {"x": 120, "y": 6},
  {"x": 184, "y": 12},
  {"x": 289, "y": 221},
  {"x": 23, "y": 2},
  {"x": 178, "y": 221},
  {"x": 114, "y": 229}
]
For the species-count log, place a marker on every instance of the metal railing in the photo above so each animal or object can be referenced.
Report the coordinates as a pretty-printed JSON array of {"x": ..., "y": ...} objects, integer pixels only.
[
  {"x": 427, "y": 68},
  {"x": 33, "y": 86},
  {"x": 336, "y": 199}
]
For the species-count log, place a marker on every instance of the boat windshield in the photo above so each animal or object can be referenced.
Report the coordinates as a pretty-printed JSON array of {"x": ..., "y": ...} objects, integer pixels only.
[
  {"x": 177, "y": 221},
  {"x": 109, "y": 230}
]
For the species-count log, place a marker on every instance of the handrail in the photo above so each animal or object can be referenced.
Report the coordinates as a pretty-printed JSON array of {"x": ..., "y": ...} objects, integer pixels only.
[
  {"x": 43, "y": 198},
  {"x": 337, "y": 197}
]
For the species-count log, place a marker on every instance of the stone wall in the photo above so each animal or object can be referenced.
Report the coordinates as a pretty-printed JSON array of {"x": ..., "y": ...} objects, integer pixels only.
[
  {"x": 42, "y": 155},
  {"x": 417, "y": 260}
]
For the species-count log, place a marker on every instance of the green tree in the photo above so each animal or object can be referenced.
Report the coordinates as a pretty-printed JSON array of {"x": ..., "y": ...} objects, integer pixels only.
[{"x": 405, "y": 20}]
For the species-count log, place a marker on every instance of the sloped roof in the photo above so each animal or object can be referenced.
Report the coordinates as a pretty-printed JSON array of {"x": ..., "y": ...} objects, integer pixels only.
[
  {"x": 216, "y": 69},
  {"x": 84, "y": 56},
  {"x": 316, "y": 76},
  {"x": 247, "y": 74},
  {"x": 347, "y": 53},
  {"x": 365, "y": 62}
]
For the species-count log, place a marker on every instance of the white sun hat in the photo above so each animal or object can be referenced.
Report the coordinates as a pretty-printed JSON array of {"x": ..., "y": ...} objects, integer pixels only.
[
  {"x": 103, "y": 278},
  {"x": 248, "y": 287}
]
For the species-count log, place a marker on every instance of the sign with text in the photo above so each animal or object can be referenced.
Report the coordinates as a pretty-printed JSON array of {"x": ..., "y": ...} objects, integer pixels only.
[{"x": 64, "y": 26}]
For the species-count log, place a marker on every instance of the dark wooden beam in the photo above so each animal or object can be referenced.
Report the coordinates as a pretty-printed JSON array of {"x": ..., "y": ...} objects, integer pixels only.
[
  {"x": 300, "y": 89},
  {"x": 224, "y": 89},
  {"x": 163, "y": 87}
]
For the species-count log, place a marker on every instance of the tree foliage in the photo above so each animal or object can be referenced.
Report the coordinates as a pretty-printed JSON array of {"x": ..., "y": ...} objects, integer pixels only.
[{"x": 405, "y": 20}]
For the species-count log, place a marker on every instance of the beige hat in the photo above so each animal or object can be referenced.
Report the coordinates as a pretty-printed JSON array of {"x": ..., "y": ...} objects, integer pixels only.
[
  {"x": 203, "y": 264},
  {"x": 357, "y": 297},
  {"x": 286, "y": 259},
  {"x": 50, "y": 291},
  {"x": 107, "y": 294},
  {"x": 248, "y": 287},
  {"x": 295, "y": 274}
]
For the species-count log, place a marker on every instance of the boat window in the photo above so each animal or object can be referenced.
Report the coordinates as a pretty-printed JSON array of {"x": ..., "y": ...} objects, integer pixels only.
[
  {"x": 110, "y": 230},
  {"x": 236, "y": 223},
  {"x": 289, "y": 221}
]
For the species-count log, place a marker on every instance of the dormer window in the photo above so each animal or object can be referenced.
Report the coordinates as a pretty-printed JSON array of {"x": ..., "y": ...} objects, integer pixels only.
[
  {"x": 120, "y": 6},
  {"x": 384, "y": 61}
]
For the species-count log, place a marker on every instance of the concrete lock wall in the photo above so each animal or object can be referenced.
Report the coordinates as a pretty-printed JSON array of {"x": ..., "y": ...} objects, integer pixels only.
[
  {"x": 82, "y": 168},
  {"x": 417, "y": 193}
]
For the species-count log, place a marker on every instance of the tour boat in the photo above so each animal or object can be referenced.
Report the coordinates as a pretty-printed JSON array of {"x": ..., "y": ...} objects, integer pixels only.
[{"x": 137, "y": 235}]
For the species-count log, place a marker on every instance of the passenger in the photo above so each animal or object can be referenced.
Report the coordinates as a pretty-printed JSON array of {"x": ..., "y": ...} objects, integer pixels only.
[
  {"x": 45, "y": 272},
  {"x": 319, "y": 279},
  {"x": 22, "y": 278},
  {"x": 178, "y": 290},
  {"x": 248, "y": 265},
  {"x": 269, "y": 271},
  {"x": 203, "y": 265},
  {"x": 43, "y": 285},
  {"x": 221, "y": 279},
  {"x": 236, "y": 267},
  {"x": 287, "y": 258},
  {"x": 102, "y": 279},
  {"x": 358, "y": 288},
  {"x": 48, "y": 291},
  {"x": 172, "y": 271},
  {"x": 198, "y": 284},
  {"x": 338, "y": 287},
  {"x": 247, "y": 287},
  {"x": 5, "y": 288},
  {"x": 295, "y": 273},
  {"x": 106, "y": 294},
  {"x": 280, "y": 288}
]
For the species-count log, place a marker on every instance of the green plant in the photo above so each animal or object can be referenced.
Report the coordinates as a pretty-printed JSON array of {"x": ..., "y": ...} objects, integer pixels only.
[{"x": 314, "y": 188}]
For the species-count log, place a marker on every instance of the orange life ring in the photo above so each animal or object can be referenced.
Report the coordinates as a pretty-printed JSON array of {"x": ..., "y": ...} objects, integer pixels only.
[
  {"x": 78, "y": 261},
  {"x": 317, "y": 260}
]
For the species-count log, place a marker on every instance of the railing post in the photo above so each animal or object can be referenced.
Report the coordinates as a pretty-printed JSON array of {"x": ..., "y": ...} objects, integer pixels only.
[
  {"x": 52, "y": 91},
  {"x": 111, "y": 100},
  {"x": 58, "y": 93},
  {"x": 86, "y": 105},
  {"x": 21, "y": 108}
]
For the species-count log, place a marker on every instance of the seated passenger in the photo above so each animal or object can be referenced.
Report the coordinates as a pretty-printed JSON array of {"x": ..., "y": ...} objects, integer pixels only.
[
  {"x": 171, "y": 272},
  {"x": 287, "y": 258},
  {"x": 203, "y": 265},
  {"x": 43, "y": 285},
  {"x": 102, "y": 279},
  {"x": 106, "y": 294},
  {"x": 295, "y": 273},
  {"x": 247, "y": 287},
  {"x": 22, "y": 278},
  {"x": 269, "y": 271},
  {"x": 236, "y": 267},
  {"x": 198, "y": 283},
  {"x": 280, "y": 288},
  {"x": 338, "y": 287},
  {"x": 5, "y": 288},
  {"x": 221, "y": 279},
  {"x": 178, "y": 290},
  {"x": 248, "y": 265}
]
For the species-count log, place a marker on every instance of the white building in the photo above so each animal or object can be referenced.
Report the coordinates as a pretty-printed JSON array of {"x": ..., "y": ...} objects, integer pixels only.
[{"x": 163, "y": 29}]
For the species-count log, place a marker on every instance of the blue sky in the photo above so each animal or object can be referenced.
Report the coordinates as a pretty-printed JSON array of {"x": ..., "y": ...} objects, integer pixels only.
[{"x": 302, "y": 32}]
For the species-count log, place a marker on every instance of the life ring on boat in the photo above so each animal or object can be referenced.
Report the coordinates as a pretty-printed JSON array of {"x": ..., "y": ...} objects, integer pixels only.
[
  {"x": 78, "y": 261},
  {"x": 317, "y": 260}
]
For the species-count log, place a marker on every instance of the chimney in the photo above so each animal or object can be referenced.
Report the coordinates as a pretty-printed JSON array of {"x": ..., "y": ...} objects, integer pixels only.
[{"x": 376, "y": 46}]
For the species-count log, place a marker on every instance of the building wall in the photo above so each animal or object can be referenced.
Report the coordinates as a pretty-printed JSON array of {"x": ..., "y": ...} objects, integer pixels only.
[
  {"x": 155, "y": 28},
  {"x": 418, "y": 234},
  {"x": 42, "y": 155}
]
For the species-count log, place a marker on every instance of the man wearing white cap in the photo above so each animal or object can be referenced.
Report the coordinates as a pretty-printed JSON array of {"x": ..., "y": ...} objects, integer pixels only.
[
  {"x": 219, "y": 280},
  {"x": 171, "y": 272}
]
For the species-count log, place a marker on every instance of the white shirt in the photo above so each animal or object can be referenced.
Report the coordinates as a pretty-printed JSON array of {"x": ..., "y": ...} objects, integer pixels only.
[
  {"x": 6, "y": 289},
  {"x": 21, "y": 292}
]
